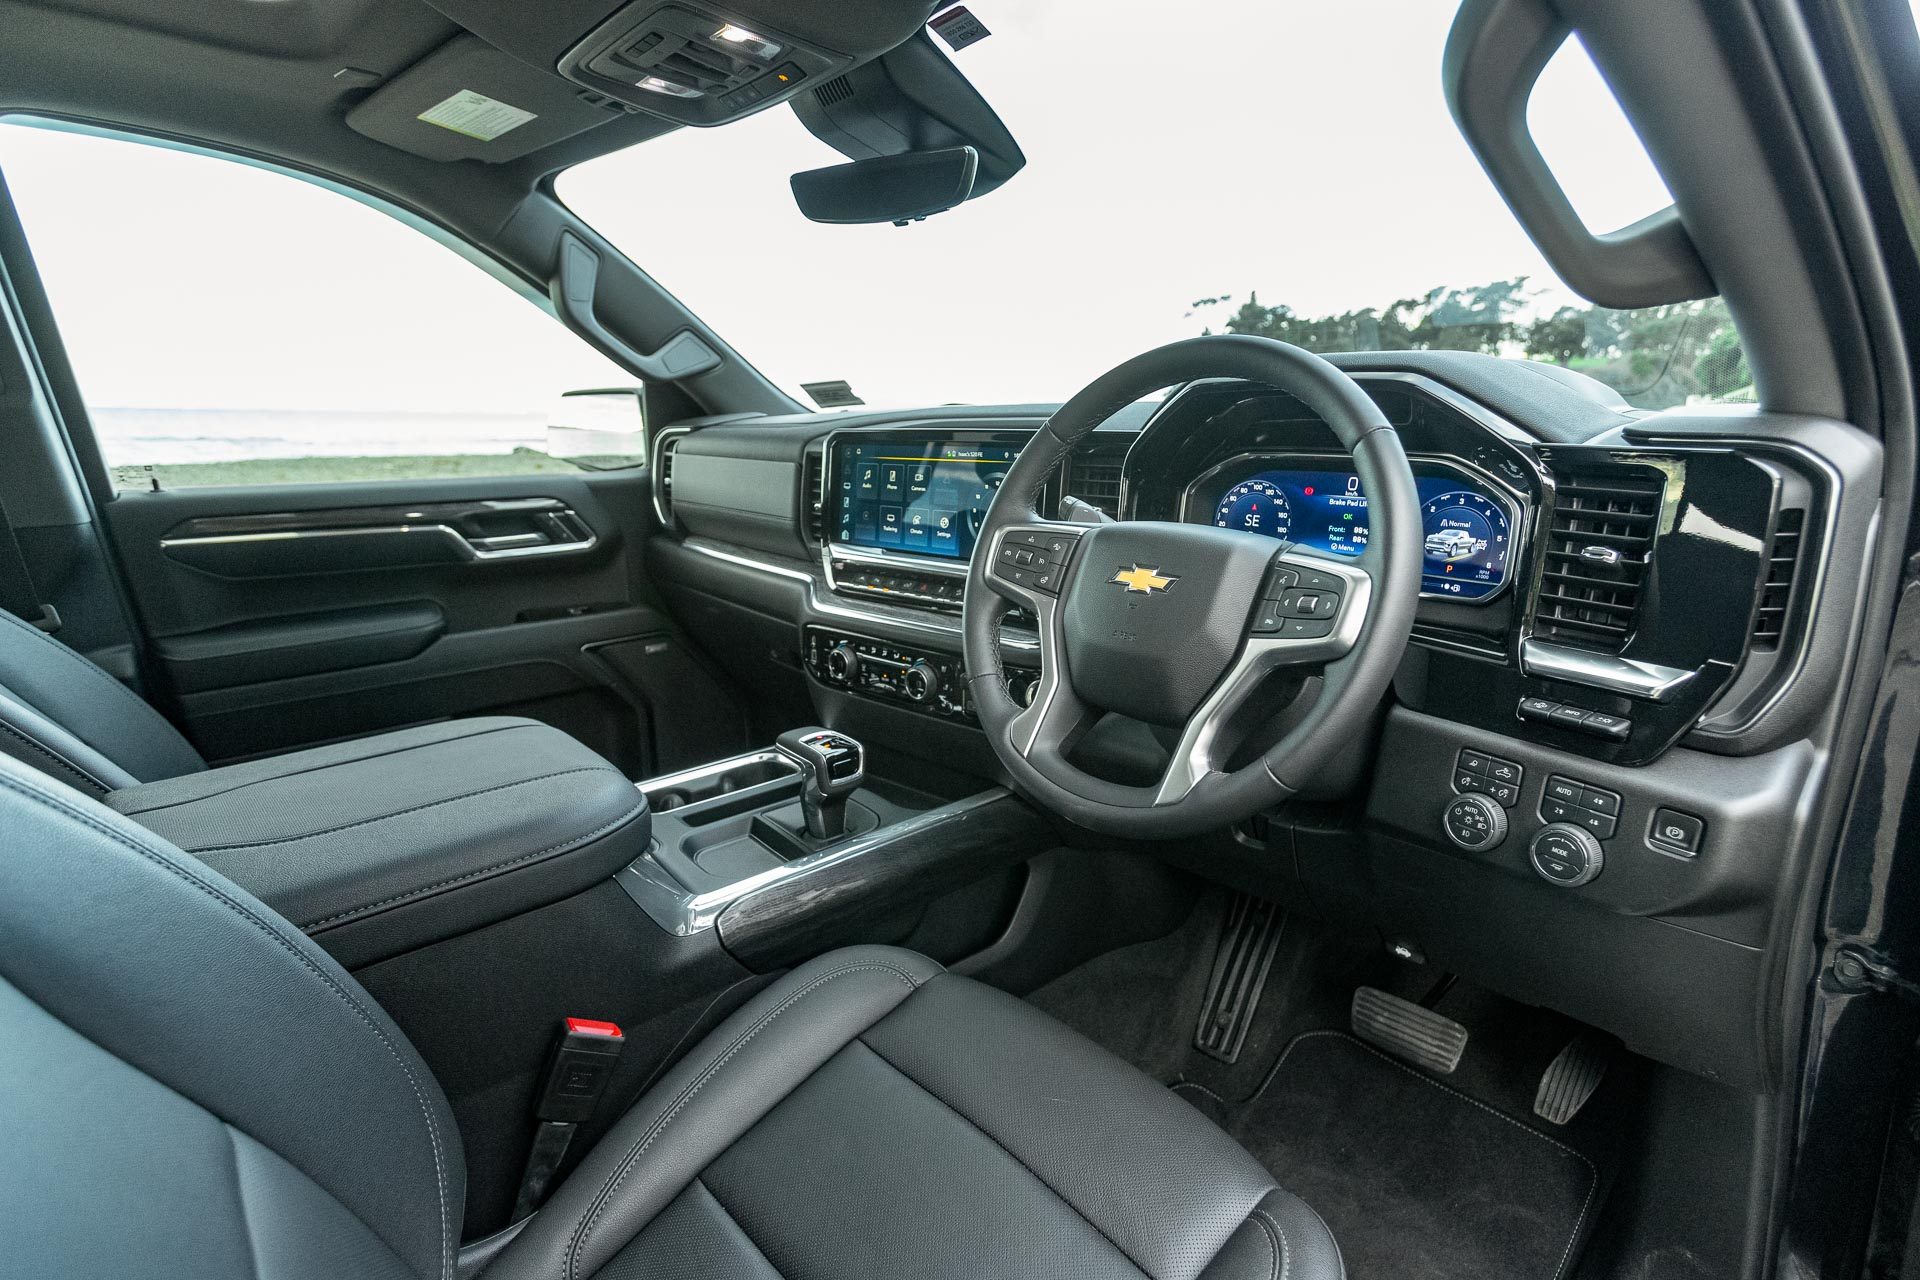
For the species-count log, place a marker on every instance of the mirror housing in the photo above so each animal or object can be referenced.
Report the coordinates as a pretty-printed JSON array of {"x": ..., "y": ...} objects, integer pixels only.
[
  {"x": 898, "y": 188},
  {"x": 603, "y": 429}
]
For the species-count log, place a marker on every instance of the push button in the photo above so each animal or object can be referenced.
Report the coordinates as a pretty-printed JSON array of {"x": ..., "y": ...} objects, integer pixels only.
[
  {"x": 1680, "y": 832},
  {"x": 1565, "y": 790},
  {"x": 1537, "y": 708}
]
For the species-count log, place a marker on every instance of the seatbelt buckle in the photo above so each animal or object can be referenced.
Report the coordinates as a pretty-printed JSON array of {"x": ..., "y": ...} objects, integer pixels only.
[{"x": 582, "y": 1065}]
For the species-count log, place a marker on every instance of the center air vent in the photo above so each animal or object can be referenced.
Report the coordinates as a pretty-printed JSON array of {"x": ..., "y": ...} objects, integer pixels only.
[
  {"x": 1604, "y": 521},
  {"x": 813, "y": 494},
  {"x": 1093, "y": 474}
]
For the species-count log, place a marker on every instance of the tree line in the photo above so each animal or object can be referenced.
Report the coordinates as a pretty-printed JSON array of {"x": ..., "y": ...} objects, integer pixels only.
[{"x": 1654, "y": 356}]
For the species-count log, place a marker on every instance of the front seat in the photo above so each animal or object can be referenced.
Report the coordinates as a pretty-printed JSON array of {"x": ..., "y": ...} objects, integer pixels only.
[{"x": 190, "y": 1088}]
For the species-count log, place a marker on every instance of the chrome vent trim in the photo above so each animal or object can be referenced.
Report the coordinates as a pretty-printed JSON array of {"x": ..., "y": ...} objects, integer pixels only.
[{"x": 664, "y": 446}]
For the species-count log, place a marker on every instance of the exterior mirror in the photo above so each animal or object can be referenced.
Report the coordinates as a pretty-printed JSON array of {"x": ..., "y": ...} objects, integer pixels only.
[
  {"x": 599, "y": 430},
  {"x": 897, "y": 189}
]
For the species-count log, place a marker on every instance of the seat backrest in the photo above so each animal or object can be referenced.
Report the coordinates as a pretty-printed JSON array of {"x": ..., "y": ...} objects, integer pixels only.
[
  {"x": 188, "y": 1086},
  {"x": 63, "y": 715}
]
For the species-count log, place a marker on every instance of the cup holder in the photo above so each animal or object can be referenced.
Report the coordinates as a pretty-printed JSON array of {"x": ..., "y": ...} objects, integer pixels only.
[{"x": 717, "y": 790}]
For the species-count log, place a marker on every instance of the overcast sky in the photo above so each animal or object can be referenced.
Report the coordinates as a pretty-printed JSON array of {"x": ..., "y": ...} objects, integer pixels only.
[{"x": 1173, "y": 152}]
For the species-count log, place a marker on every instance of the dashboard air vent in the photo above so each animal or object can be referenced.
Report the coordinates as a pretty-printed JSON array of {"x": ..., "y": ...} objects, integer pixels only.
[
  {"x": 663, "y": 452},
  {"x": 1776, "y": 594},
  {"x": 813, "y": 494},
  {"x": 1604, "y": 520},
  {"x": 1093, "y": 474}
]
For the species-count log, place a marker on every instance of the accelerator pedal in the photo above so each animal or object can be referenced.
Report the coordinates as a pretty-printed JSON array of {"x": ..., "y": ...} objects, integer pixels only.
[
  {"x": 1572, "y": 1077},
  {"x": 1249, "y": 936},
  {"x": 1407, "y": 1030}
]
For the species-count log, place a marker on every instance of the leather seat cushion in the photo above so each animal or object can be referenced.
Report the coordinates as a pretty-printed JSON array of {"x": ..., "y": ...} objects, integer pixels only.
[
  {"x": 383, "y": 844},
  {"x": 871, "y": 1116}
]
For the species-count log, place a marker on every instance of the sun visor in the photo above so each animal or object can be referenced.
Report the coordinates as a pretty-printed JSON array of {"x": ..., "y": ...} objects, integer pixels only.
[{"x": 468, "y": 101}]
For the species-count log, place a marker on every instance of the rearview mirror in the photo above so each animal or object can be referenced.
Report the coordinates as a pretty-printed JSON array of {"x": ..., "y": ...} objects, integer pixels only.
[
  {"x": 897, "y": 189},
  {"x": 600, "y": 430}
]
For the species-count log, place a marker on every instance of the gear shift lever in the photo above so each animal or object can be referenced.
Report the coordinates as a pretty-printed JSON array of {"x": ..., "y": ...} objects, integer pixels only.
[{"x": 832, "y": 765}]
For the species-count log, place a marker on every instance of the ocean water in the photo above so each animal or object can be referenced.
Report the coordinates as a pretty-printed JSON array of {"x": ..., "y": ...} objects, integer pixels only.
[{"x": 138, "y": 437}]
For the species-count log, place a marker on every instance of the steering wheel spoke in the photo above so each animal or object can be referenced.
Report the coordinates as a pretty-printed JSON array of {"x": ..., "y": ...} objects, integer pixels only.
[
  {"x": 1030, "y": 563},
  {"x": 1311, "y": 612}
]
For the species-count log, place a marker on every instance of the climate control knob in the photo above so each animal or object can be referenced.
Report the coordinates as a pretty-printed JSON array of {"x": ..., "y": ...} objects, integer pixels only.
[
  {"x": 1474, "y": 822},
  {"x": 921, "y": 681},
  {"x": 1566, "y": 855},
  {"x": 843, "y": 663}
]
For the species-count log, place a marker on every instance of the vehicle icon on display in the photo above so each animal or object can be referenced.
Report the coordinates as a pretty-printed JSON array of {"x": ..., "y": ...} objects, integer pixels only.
[{"x": 1451, "y": 544}]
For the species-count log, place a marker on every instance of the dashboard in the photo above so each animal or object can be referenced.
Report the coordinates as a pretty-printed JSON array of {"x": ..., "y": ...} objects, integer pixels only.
[
  {"x": 1631, "y": 626},
  {"x": 1317, "y": 501}
]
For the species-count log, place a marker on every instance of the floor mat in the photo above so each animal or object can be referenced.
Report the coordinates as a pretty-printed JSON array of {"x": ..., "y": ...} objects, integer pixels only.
[{"x": 1417, "y": 1181}]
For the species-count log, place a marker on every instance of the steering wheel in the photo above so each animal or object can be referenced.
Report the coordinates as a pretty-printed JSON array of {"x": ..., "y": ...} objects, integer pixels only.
[{"x": 1178, "y": 624}]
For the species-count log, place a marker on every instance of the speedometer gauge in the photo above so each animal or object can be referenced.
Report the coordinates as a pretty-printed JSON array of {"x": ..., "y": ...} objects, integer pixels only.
[
  {"x": 1255, "y": 506},
  {"x": 1467, "y": 543}
]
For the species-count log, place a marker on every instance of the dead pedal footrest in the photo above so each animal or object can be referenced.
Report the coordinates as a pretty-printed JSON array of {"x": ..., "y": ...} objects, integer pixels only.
[
  {"x": 1249, "y": 936},
  {"x": 1407, "y": 1030}
]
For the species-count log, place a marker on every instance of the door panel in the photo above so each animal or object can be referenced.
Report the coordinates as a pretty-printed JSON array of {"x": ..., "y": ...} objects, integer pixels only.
[{"x": 282, "y": 617}]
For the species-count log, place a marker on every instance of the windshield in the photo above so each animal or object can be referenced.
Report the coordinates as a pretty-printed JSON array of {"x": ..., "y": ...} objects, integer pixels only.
[{"x": 1225, "y": 166}]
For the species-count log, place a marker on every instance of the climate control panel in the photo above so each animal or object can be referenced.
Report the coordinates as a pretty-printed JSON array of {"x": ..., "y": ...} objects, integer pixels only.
[{"x": 922, "y": 679}]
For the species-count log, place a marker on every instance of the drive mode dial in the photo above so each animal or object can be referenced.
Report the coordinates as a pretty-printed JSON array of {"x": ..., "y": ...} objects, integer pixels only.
[
  {"x": 1475, "y": 822},
  {"x": 1566, "y": 855}
]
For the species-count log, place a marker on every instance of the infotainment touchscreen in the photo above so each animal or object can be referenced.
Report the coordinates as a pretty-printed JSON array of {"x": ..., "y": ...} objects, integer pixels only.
[{"x": 925, "y": 497}]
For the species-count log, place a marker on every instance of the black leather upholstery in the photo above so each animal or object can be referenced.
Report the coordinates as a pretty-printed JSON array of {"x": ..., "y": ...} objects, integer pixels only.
[
  {"x": 63, "y": 715},
  {"x": 384, "y": 844},
  {"x": 872, "y": 1116},
  {"x": 189, "y": 1087}
]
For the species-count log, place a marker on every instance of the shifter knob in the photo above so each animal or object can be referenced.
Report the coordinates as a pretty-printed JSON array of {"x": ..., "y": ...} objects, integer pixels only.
[{"x": 832, "y": 765}]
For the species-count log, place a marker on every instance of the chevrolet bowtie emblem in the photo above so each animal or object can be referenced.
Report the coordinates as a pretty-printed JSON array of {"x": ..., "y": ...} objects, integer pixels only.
[{"x": 1143, "y": 581}]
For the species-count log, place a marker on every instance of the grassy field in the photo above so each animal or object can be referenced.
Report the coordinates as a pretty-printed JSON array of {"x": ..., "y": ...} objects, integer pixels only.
[{"x": 265, "y": 471}]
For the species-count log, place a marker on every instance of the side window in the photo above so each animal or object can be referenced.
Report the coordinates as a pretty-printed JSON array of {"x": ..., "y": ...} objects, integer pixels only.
[{"x": 229, "y": 325}]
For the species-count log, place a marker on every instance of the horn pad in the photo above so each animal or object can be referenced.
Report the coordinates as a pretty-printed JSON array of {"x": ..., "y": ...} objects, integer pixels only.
[{"x": 1156, "y": 613}]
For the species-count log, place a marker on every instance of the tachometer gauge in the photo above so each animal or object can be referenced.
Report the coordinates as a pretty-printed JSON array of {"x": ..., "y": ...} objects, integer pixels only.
[
  {"x": 1255, "y": 506},
  {"x": 1467, "y": 542}
]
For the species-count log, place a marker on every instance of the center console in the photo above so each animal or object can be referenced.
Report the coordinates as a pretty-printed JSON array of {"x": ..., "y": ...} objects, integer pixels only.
[{"x": 792, "y": 850}]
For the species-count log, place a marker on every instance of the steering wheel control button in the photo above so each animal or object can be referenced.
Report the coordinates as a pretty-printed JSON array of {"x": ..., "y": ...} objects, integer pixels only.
[
  {"x": 1676, "y": 832},
  {"x": 1474, "y": 822},
  {"x": 1302, "y": 602},
  {"x": 1315, "y": 580},
  {"x": 1306, "y": 628},
  {"x": 1566, "y": 855}
]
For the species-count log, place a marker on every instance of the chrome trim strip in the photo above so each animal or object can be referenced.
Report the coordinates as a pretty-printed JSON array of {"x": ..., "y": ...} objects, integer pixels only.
[
  {"x": 461, "y": 542},
  {"x": 1645, "y": 680},
  {"x": 827, "y": 608},
  {"x": 683, "y": 913},
  {"x": 700, "y": 773}
]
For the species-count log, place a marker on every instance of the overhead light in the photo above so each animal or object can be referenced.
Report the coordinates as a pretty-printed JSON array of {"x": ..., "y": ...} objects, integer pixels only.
[
  {"x": 748, "y": 42},
  {"x": 654, "y": 84}
]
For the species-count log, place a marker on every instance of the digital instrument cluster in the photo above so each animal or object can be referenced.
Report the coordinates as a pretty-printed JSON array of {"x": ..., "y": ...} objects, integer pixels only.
[{"x": 1469, "y": 527}]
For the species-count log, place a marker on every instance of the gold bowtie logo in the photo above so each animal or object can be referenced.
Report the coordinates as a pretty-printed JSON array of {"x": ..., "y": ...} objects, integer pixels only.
[{"x": 1143, "y": 581}]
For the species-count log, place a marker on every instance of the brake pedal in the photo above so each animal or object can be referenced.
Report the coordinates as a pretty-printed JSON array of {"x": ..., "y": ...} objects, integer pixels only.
[
  {"x": 1407, "y": 1030},
  {"x": 1248, "y": 938},
  {"x": 1572, "y": 1077}
]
